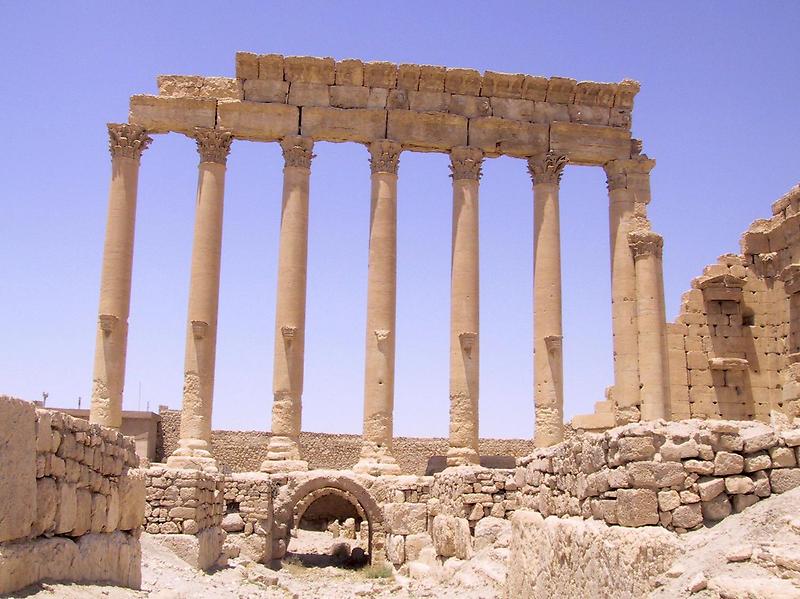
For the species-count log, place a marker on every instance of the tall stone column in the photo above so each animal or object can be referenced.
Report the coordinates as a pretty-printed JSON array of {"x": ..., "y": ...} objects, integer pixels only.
[
  {"x": 194, "y": 446},
  {"x": 376, "y": 449},
  {"x": 628, "y": 187},
  {"x": 650, "y": 314},
  {"x": 548, "y": 369},
  {"x": 465, "y": 165},
  {"x": 126, "y": 142},
  {"x": 283, "y": 453}
]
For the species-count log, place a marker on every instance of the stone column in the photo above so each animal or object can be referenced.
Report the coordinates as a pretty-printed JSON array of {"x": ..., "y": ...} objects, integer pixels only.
[
  {"x": 464, "y": 308},
  {"x": 546, "y": 173},
  {"x": 376, "y": 450},
  {"x": 194, "y": 446},
  {"x": 651, "y": 318},
  {"x": 126, "y": 142},
  {"x": 283, "y": 453},
  {"x": 627, "y": 193}
]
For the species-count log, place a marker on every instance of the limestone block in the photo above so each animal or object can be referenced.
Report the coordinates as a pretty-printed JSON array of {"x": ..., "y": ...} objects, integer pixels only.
[
  {"x": 337, "y": 124},
  {"x": 180, "y": 86},
  {"x": 590, "y": 115},
  {"x": 500, "y": 136},
  {"x": 255, "y": 547},
  {"x": 431, "y": 78},
  {"x": 99, "y": 512},
  {"x": 535, "y": 88},
  {"x": 380, "y": 74},
  {"x": 470, "y": 106},
  {"x": 266, "y": 90},
  {"x": 451, "y": 537},
  {"x": 408, "y": 76},
  {"x": 738, "y": 484},
  {"x": 561, "y": 90},
  {"x": 415, "y": 544},
  {"x": 515, "y": 109},
  {"x": 396, "y": 549},
  {"x": 270, "y": 66},
  {"x": 112, "y": 509},
  {"x": 349, "y": 96},
  {"x": 620, "y": 117},
  {"x": 428, "y": 101},
  {"x": 688, "y": 516},
  {"x": 782, "y": 457},
  {"x": 726, "y": 463},
  {"x": 709, "y": 488},
  {"x": 377, "y": 98},
  {"x": 741, "y": 502},
  {"x": 246, "y": 65},
  {"x": 429, "y": 132},
  {"x": 132, "y": 493},
  {"x": 67, "y": 507},
  {"x": 309, "y": 94},
  {"x": 44, "y": 431},
  {"x": 546, "y": 113},
  {"x": 759, "y": 461},
  {"x": 717, "y": 508},
  {"x": 349, "y": 72},
  {"x": 161, "y": 115},
  {"x": 502, "y": 85},
  {"x": 492, "y": 532},
  {"x": 83, "y": 513},
  {"x": 259, "y": 122},
  {"x": 589, "y": 144},
  {"x": 636, "y": 449},
  {"x": 46, "y": 506},
  {"x": 398, "y": 99},
  {"x": 637, "y": 507},
  {"x": 570, "y": 557},
  {"x": 784, "y": 479},
  {"x": 462, "y": 81},
  {"x": 17, "y": 467},
  {"x": 405, "y": 518},
  {"x": 200, "y": 551},
  {"x": 668, "y": 500},
  {"x": 309, "y": 69}
]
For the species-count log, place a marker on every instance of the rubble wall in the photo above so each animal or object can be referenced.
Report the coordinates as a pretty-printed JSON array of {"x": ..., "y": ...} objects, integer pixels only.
[
  {"x": 71, "y": 501},
  {"x": 734, "y": 348},
  {"x": 244, "y": 451}
]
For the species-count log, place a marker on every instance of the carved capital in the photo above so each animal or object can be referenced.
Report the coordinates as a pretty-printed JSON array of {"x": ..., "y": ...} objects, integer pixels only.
[
  {"x": 547, "y": 168},
  {"x": 297, "y": 151},
  {"x": 127, "y": 141},
  {"x": 384, "y": 156},
  {"x": 466, "y": 163},
  {"x": 618, "y": 171},
  {"x": 213, "y": 145},
  {"x": 645, "y": 243}
]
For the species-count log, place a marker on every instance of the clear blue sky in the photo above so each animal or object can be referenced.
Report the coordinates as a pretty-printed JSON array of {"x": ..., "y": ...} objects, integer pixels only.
[{"x": 718, "y": 110}]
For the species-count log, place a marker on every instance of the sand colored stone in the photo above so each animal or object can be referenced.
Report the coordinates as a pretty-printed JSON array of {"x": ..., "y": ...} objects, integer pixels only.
[{"x": 290, "y": 312}]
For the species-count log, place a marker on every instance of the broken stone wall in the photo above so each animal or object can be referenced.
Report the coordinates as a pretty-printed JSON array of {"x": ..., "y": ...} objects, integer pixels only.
[
  {"x": 674, "y": 474},
  {"x": 244, "y": 451},
  {"x": 734, "y": 348},
  {"x": 71, "y": 503}
]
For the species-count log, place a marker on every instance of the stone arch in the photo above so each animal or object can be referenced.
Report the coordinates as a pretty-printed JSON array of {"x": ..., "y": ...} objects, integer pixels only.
[{"x": 295, "y": 498}]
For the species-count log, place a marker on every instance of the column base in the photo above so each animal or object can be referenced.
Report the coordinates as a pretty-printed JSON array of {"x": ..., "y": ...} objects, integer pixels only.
[
  {"x": 193, "y": 458},
  {"x": 283, "y": 455},
  {"x": 462, "y": 456},
  {"x": 376, "y": 460}
]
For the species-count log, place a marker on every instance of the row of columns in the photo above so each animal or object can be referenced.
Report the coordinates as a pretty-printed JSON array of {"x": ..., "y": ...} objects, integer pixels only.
[{"x": 638, "y": 319}]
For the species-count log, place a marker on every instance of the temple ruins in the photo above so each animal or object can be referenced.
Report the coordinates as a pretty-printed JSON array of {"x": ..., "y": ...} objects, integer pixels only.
[{"x": 701, "y": 421}]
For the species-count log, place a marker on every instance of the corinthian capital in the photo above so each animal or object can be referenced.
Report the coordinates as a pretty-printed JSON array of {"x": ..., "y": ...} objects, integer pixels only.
[
  {"x": 297, "y": 151},
  {"x": 547, "y": 168},
  {"x": 384, "y": 156},
  {"x": 213, "y": 145},
  {"x": 645, "y": 243},
  {"x": 127, "y": 141},
  {"x": 466, "y": 163}
]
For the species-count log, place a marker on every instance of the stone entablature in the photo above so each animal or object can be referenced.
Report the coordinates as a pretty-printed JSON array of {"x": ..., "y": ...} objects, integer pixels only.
[{"x": 425, "y": 108}]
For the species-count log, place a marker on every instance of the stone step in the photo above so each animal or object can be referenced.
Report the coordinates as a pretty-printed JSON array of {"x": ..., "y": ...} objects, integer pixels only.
[{"x": 593, "y": 421}]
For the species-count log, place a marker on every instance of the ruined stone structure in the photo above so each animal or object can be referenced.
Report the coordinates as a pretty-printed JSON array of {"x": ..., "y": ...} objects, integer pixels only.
[{"x": 297, "y": 101}]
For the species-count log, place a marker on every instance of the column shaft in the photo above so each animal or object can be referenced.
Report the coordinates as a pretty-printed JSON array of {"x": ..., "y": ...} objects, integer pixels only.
[
  {"x": 464, "y": 309},
  {"x": 283, "y": 453},
  {"x": 652, "y": 342},
  {"x": 194, "y": 446},
  {"x": 126, "y": 144},
  {"x": 376, "y": 452},
  {"x": 547, "y": 328}
]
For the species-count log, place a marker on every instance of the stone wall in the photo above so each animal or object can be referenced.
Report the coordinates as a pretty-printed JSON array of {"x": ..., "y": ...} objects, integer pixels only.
[
  {"x": 71, "y": 503},
  {"x": 674, "y": 474},
  {"x": 243, "y": 451},
  {"x": 733, "y": 350}
]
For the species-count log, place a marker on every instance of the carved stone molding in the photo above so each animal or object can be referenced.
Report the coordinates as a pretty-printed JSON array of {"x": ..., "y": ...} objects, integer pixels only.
[
  {"x": 297, "y": 151},
  {"x": 466, "y": 163},
  {"x": 467, "y": 340},
  {"x": 547, "y": 168},
  {"x": 554, "y": 343},
  {"x": 288, "y": 332},
  {"x": 617, "y": 171},
  {"x": 384, "y": 156},
  {"x": 108, "y": 322},
  {"x": 645, "y": 243},
  {"x": 127, "y": 141},
  {"x": 382, "y": 335},
  {"x": 199, "y": 329},
  {"x": 213, "y": 145}
]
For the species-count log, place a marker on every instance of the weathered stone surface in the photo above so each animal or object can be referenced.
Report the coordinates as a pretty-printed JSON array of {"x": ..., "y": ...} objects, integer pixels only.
[
  {"x": 717, "y": 508},
  {"x": 726, "y": 463},
  {"x": 259, "y": 121},
  {"x": 309, "y": 94},
  {"x": 233, "y": 523},
  {"x": 18, "y": 468},
  {"x": 569, "y": 557},
  {"x": 637, "y": 507},
  {"x": 451, "y": 537},
  {"x": 200, "y": 551},
  {"x": 131, "y": 500},
  {"x": 415, "y": 543},
  {"x": 161, "y": 114},
  {"x": 335, "y": 124},
  {"x": 349, "y": 96},
  {"x": 309, "y": 69},
  {"x": 492, "y": 532},
  {"x": 427, "y": 132},
  {"x": 396, "y": 549},
  {"x": 499, "y": 136},
  {"x": 687, "y": 516},
  {"x": 589, "y": 144},
  {"x": 266, "y": 90},
  {"x": 405, "y": 518},
  {"x": 784, "y": 479}
]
